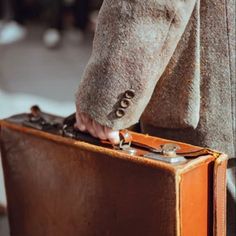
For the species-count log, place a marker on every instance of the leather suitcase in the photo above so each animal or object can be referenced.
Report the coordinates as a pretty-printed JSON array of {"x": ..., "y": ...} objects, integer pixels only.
[{"x": 60, "y": 182}]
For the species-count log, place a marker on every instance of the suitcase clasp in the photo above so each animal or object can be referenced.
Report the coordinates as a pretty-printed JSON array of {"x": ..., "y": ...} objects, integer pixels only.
[
  {"x": 125, "y": 143},
  {"x": 37, "y": 121},
  {"x": 166, "y": 153}
]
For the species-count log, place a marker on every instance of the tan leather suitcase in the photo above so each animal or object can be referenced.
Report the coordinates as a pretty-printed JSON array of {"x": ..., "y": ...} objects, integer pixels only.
[{"x": 60, "y": 182}]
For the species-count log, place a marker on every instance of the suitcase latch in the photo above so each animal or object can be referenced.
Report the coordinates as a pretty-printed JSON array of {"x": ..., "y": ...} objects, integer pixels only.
[
  {"x": 125, "y": 143},
  {"x": 166, "y": 153},
  {"x": 35, "y": 120},
  {"x": 126, "y": 147}
]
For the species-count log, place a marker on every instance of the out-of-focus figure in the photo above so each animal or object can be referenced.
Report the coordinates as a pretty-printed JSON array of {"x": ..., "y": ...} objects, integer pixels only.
[
  {"x": 2, "y": 210},
  {"x": 70, "y": 14},
  {"x": 67, "y": 19},
  {"x": 12, "y": 19}
]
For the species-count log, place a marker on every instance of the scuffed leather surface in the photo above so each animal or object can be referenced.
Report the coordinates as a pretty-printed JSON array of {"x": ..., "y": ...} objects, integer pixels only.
[
  {"x": 196, "y": 195},
  {"x": 193, "y": 186},
  {"x": 58, "y": 189}
]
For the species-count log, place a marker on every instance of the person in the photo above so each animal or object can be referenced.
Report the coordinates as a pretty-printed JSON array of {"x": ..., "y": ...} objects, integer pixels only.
[
  {"x": 169, "y": 64},
  {"x": 2, "y": 210},
  {"x": 54, "y": 12},
  {"x": 12, "y": 30}
]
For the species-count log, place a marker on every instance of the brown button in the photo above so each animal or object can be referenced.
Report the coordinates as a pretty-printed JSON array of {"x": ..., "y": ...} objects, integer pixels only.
[
  {"x": 124, "y": 103},
  {"x": 120, "y": 113},
  {"x": 130, "y": 93}
]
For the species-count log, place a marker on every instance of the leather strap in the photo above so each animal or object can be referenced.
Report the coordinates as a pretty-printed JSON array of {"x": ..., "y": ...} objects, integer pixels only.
[
  {"x": 151, "y": 144},
  {"x": 146, "y": 142}
]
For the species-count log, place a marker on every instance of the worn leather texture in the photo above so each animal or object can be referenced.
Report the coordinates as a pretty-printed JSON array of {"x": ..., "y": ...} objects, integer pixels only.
[
  {"x": 59, "y": 186},
  {"x": 194, "y": 192}
]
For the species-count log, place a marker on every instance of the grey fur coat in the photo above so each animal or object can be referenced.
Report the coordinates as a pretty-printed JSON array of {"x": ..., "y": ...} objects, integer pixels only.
[{"x": 170, "y": 63}]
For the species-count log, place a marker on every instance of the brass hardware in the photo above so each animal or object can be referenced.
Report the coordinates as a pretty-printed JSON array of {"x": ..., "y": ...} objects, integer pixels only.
[
  {"x": 167, "y": 153},
  {"x": 35, "y": 120},
  {"x": 172, "y": 160},
  {"x": 169, "y": 149},
  {"x": 126, "y": 147}
]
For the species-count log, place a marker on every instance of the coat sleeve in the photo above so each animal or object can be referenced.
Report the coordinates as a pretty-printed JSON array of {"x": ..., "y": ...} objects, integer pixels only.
[{"x": 133, "y": 44}]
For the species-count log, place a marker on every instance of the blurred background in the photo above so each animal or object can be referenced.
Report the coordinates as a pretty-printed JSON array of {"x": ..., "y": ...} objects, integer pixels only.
[{"x": 44, "y": 48}]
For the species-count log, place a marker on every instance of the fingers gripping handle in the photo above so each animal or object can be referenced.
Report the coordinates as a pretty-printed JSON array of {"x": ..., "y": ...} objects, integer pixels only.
[{"x": 70, "y": 130}]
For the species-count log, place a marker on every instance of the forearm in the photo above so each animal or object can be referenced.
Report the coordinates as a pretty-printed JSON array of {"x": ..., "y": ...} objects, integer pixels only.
[{"x": 133, "y": 44}]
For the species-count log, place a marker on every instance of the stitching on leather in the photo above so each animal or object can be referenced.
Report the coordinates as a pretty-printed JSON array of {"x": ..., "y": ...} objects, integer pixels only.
[
  {"x": 222, "y": 195},
  {"x": 220, "y": 186},
  {"x": 178, "y": 204}
]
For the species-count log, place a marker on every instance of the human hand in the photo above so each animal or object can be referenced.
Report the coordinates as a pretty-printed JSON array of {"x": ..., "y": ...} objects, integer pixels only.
[{"x": 85, "y": 124}]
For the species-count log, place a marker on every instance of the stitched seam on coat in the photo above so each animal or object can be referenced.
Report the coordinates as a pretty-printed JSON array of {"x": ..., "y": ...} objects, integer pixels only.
[
  {"x": 165, "y": 39},
  {"x": 230, "y": 74}
]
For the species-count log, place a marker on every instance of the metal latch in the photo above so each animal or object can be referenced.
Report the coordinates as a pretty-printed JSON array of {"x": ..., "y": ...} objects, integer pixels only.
[
  {"x": 126, "y": 146},
  {"x": 35, "y": 120},
  {"x": 166, "y": 153}
]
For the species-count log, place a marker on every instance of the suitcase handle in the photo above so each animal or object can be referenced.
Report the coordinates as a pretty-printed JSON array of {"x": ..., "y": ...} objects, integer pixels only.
[
  {"x": 128, "y": 140},
  {"x": 69, "y": 130},
  {"x": 42, "y": 121}
]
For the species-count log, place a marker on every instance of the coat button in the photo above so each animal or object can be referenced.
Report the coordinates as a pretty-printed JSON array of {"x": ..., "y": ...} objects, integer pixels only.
[
  {"x": 120, "y": 112},
  {"x": 124, "y": 103},
  {"x": 130, "y": 93}
]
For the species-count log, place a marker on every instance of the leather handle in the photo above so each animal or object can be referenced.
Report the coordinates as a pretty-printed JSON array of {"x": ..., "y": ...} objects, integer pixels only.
[
  {"x": 69, "y": 130},
  {"x": 127, "y": 137},
  {"x": 69, "y": 122},
  {"x": 57, "y": 125}
]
